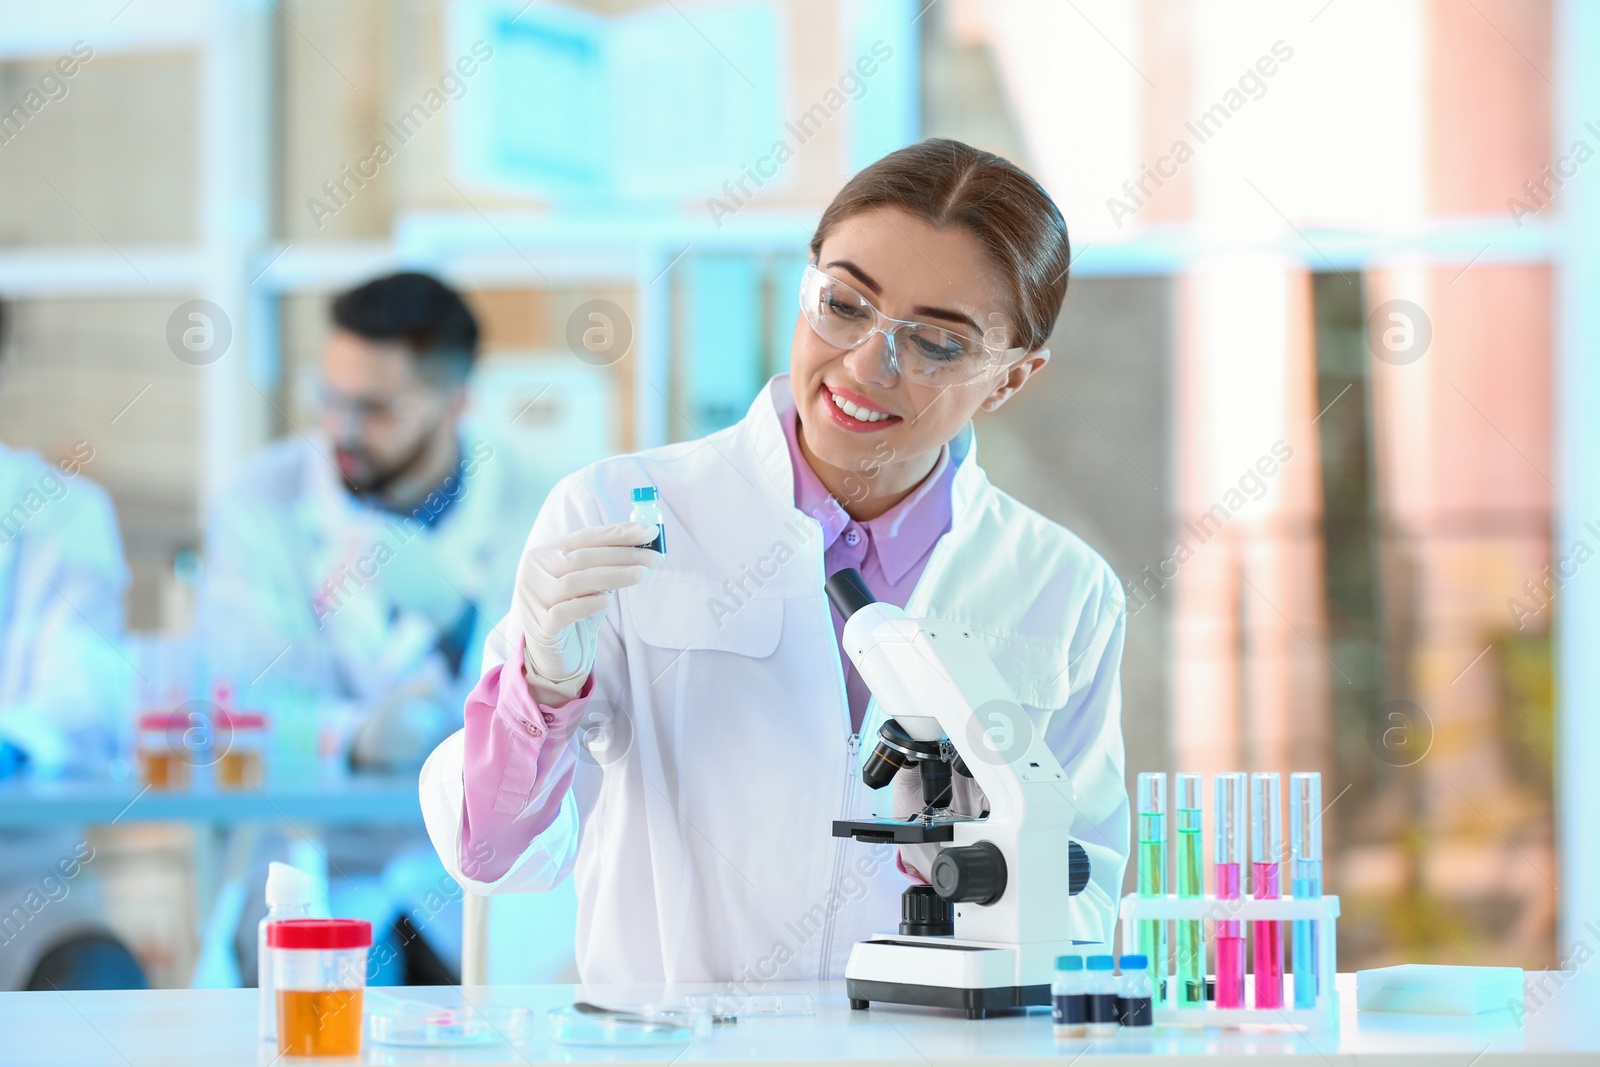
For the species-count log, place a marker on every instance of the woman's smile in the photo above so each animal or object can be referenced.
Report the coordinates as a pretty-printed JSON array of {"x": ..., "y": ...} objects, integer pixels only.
[{"x": 854, "y": 412}]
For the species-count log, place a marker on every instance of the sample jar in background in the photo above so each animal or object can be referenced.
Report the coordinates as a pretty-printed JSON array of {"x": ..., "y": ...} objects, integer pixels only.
[
  {"x": 239, "y": 766},
  {"x": 319, "y": 972},
  {"x": 164, "y": 761}
]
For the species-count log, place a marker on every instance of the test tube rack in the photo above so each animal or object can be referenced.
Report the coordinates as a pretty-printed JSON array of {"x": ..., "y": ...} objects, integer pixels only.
[{"x": 1324, "y": 910}]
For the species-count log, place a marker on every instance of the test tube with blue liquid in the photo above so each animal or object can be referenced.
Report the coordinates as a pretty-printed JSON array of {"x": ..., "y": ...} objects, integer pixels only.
[
  {"x": 1191, "y": 858},
  {"x": 1266, "y": 883},
  {"x": 1153, "y": 874},
  {"x": 1305, "y": 874}
]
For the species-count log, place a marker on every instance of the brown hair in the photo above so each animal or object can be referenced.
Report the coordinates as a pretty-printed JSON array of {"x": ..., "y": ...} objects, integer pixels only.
[{"x": 948, "y": 183}]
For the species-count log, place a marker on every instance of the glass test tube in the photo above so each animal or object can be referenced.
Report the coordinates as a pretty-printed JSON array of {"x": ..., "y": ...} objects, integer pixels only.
[
  {"x": 1266, "y": 883},
  {"x": 1153, "y": 875},
  {"x": 1305, "y": 878},
  {"x": 1227, "y": 856},
  {"x": 1191, "y": 969}
]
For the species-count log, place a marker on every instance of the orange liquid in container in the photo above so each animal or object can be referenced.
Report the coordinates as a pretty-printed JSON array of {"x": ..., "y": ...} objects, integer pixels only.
[
  {"x": 163, "y": 770},
  {"x": 239, "y": 770},
  {"x": 319, "y": 1022}
]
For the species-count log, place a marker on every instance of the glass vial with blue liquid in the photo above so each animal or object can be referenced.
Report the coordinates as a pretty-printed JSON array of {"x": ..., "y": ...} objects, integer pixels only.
[
  {"x": 1153, "y": 874},
  {"x": 1191, "y": 860},
  {"x": 647, "y": 509},
  {"x": 1305, "y": 877},
  {"x": 1069, "y": 998}
]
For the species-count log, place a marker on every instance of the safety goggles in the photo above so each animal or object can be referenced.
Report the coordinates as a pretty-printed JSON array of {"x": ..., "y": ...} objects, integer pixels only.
[
  {"x": 344, "y": 409},
  {"x": 918, "y": 351}
]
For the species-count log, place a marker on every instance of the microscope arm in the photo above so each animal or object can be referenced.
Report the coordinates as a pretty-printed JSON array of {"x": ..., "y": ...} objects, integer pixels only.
[{"x": 936, "y": 680}]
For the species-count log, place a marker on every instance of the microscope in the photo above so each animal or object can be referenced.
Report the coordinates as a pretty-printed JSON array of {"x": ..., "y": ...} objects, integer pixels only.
[{"x": 985, "y": 934}]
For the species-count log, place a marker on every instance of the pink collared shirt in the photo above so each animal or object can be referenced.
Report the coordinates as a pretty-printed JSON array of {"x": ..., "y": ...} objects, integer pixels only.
[
  {"x": 890, "y": 551},
  {"x": 514, "y": 783}
]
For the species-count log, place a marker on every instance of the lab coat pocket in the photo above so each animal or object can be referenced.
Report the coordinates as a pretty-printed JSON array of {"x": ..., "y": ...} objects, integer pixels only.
[
  {"x": 687, "y": 614},
  {"x": 1040, "y": 674}
]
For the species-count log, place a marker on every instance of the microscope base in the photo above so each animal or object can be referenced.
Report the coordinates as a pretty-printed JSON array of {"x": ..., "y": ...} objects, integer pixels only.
[
  {"x": 977, "y": 1003},
  {"x": 926, "y": 972}
]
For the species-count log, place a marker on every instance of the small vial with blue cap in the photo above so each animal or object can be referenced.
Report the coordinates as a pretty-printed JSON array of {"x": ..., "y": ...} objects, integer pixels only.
[
  {"x": 647, "y": 510},
  {"x": 1102, "y": 987},
  {"x": 1069, "y": 998},
  {"x": 1136, "y": 992}
]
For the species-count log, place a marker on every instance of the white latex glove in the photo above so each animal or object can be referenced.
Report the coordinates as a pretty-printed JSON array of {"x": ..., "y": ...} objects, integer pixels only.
[
  {"x": 563, "y": 589},
  {"x": 906, "y": 800}
]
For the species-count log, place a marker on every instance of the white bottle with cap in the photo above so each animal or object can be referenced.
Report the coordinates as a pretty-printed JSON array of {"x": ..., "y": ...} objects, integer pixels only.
[{"x": 289, "y": 896}]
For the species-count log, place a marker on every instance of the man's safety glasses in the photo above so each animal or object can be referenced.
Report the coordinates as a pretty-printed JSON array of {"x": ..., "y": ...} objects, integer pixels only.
[{"x": 918, "y": 351}]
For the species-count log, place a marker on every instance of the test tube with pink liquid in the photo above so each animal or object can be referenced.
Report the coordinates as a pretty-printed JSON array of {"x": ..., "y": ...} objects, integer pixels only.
[
  {"x": 1266, "y": 883},
  {"x": 1228, "y": 830}
]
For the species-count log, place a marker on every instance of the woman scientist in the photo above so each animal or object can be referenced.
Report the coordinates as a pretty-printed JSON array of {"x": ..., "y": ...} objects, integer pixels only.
[{"x": 681, "y": 745}]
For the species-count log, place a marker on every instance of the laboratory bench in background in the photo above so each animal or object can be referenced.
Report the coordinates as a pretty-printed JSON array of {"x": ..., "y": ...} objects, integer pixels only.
[
  {"x": 225, "y": 824},
  {"x": 216, "y": 1028},
  {"x": 352, "y": 800}
]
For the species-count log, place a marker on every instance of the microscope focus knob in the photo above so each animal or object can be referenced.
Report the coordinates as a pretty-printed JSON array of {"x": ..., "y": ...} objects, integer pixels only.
[
  {"x": 925, "y": 913},
  {"x": 970, "y": 874}
]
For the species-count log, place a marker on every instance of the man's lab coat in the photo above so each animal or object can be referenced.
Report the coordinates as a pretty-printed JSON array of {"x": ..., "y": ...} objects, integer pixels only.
[
  {"x": 717, "y": 748},
  {"x": 65, "y": 687},
  {"x": 294, "y": 598},
  {"x": 296, "y": 617}
]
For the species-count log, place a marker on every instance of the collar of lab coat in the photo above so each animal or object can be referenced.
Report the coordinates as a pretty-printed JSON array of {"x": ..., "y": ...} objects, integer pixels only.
[
  {"x": 328, "y": 510},
  {"x": 771, "y": 448}
]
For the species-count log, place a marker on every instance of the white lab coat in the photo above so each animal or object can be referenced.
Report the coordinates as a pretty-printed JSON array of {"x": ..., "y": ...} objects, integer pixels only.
[
  {"x": 720, "y": 750},
  {"x": 64, "y": 686}
]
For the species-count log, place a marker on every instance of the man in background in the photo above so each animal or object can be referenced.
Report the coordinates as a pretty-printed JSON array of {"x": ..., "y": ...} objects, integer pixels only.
[
  {"x": 352, "y": 576},
  {"x": 64, "y": 682}
]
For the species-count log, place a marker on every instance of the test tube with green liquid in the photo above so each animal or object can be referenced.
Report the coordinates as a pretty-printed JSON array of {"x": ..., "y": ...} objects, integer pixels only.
[
  {"x": 1191, "y": 884},
  {"x": 1153, "y": 875}
]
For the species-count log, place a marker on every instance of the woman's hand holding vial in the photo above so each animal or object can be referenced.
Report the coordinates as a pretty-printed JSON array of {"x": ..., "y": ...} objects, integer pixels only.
[{"x": 564, "y": 586}]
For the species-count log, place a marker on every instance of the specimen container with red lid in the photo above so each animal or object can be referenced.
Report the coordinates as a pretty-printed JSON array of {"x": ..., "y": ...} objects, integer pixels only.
[{"x": 319, "y": 972}]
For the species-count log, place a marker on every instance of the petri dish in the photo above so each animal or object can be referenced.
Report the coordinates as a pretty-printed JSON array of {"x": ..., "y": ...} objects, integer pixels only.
[{"x": 419, "y": 1024}]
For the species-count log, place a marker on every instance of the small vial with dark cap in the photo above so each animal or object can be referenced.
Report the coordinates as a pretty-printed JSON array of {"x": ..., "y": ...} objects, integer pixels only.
[{"x": 647, "y": 510}]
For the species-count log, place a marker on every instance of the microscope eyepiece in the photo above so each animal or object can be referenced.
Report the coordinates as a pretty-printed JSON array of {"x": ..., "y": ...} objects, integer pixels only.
[{"x": 848, "y": 591}]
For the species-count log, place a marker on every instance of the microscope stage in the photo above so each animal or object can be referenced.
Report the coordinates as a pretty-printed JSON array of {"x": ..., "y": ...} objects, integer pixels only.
[{"x": 895, "y": 831}]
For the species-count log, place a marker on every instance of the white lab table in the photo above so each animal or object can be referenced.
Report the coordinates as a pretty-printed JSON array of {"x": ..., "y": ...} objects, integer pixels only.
[{"x": 215, "y": 1028}]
